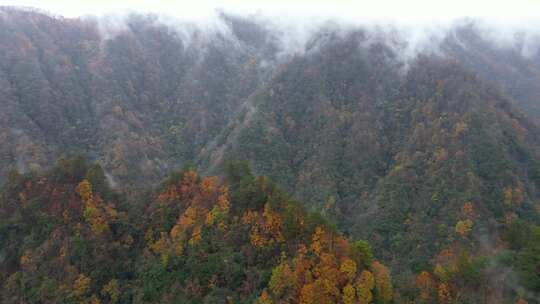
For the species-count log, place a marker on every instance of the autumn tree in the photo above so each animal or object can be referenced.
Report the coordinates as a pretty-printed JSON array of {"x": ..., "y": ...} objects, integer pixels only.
[
  {"x": 283, "y": 281},
  {"x": 464, "y": 227},
  {"x": 364, "y": 287},
  {"x": 383, "y": 284},
  {"x": 425, "y": 284},
  {"x": 443, "y": 293}
]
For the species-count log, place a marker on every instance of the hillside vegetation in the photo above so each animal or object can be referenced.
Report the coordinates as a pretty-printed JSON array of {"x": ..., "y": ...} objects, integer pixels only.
[{"x": 432, "y": 159}]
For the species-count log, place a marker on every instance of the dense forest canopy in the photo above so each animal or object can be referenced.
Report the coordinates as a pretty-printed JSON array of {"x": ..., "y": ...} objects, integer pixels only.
[
  {"x": 345, "y": 169},
  {"x": 237, "y": 238}
]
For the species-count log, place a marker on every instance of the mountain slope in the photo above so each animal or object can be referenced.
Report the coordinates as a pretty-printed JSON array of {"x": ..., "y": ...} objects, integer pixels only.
[
  {"x": 423, "y": 156},
  {"x": 512, "y": 66},
  {"x": 67, "y": 238},
  {"x": 146, "y": 98}
]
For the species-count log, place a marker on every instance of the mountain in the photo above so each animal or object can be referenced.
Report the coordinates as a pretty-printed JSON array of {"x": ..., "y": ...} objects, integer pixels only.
[
  {"x": 143, "y": 101},
  {"x": 513, "y": 67},
  {"x": 433, "y": 158},
  {"x": 393, "y": 159}
]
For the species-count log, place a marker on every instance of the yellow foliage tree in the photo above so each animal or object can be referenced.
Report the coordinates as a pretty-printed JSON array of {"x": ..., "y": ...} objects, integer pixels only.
[
  {"x": 364, "y": 287},
  {"x": 348, "y": 268},
  {"x": 96, "y": 215},
  {"x": 188, "y": 218},
  {"x": 195, "y": 236},
  {"x": 84, "y": 189},
  {"x": 440, "y": 272},
  {"x": 317, "y": 240},
  {"x": 327, "y": 268},
  {"x": 349, "y": 295},
  {"x": 282, "y": 279},
  {"x": 265, "y": 229},
  {"x": 209, "y": 221},
  {"x": 321, "y": 291},
  {"x": 163, "y": 247},
  {"x": 383, "y": 282},
  {"x": 464, "y": 227},
  {"x": 223, "y": 199},
  {"x": 460, "y": 128},
  {"x": 272, "y": 224},
  {"x": 81, "y": 285},
  {"x": 507, "y": 193}
]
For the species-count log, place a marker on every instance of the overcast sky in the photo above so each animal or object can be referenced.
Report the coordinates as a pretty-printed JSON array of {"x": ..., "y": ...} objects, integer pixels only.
[{"x": 403, "y": 10}]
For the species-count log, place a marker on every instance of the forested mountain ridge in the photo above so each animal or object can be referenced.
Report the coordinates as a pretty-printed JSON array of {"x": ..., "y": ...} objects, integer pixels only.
[
  {"x": 68, "y": 238},
  {"x": 513, "y": 67},
  {"x": 167, "y": 93},
  {"x": 434, "y": 159},
  {"x": 398, "y": 167},
  {"x": 144, "y": 99}
]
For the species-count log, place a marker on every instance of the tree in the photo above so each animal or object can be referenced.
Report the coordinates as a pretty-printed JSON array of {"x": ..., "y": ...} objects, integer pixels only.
[
  {"x": 425, "y": 284},
  {"x": 282, "y": 279},
  {"x": 317, "y": 240},
  {"x": 507, "y": 192},
  {"x": 468, "y": 210},
  {"x": 440, "y": 272},
  {"x": 112, "y": 290},
  {"x": 236, "y": 171},
  {"x": 96, "y": 176},
  {"x": 84, "y": 189},
  {"x": 264, "y": 298},
  {"x": 348, "y": 268},
  {"x": 361, "y": 253},
  {"x": 443, "y": 293},
  {"x": 383, "y": 284},
  {"x": 321, "y": 291},
  {"x": 464, "y": 227},
  {"x": 349, "y": 294},
  {"x": 81, "y": 285},
  {"x": 364, "y": 287}
]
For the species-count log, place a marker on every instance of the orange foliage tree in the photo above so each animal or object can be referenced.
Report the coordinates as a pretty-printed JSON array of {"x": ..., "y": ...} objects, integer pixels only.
[{"x": 324, "y": 272}]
